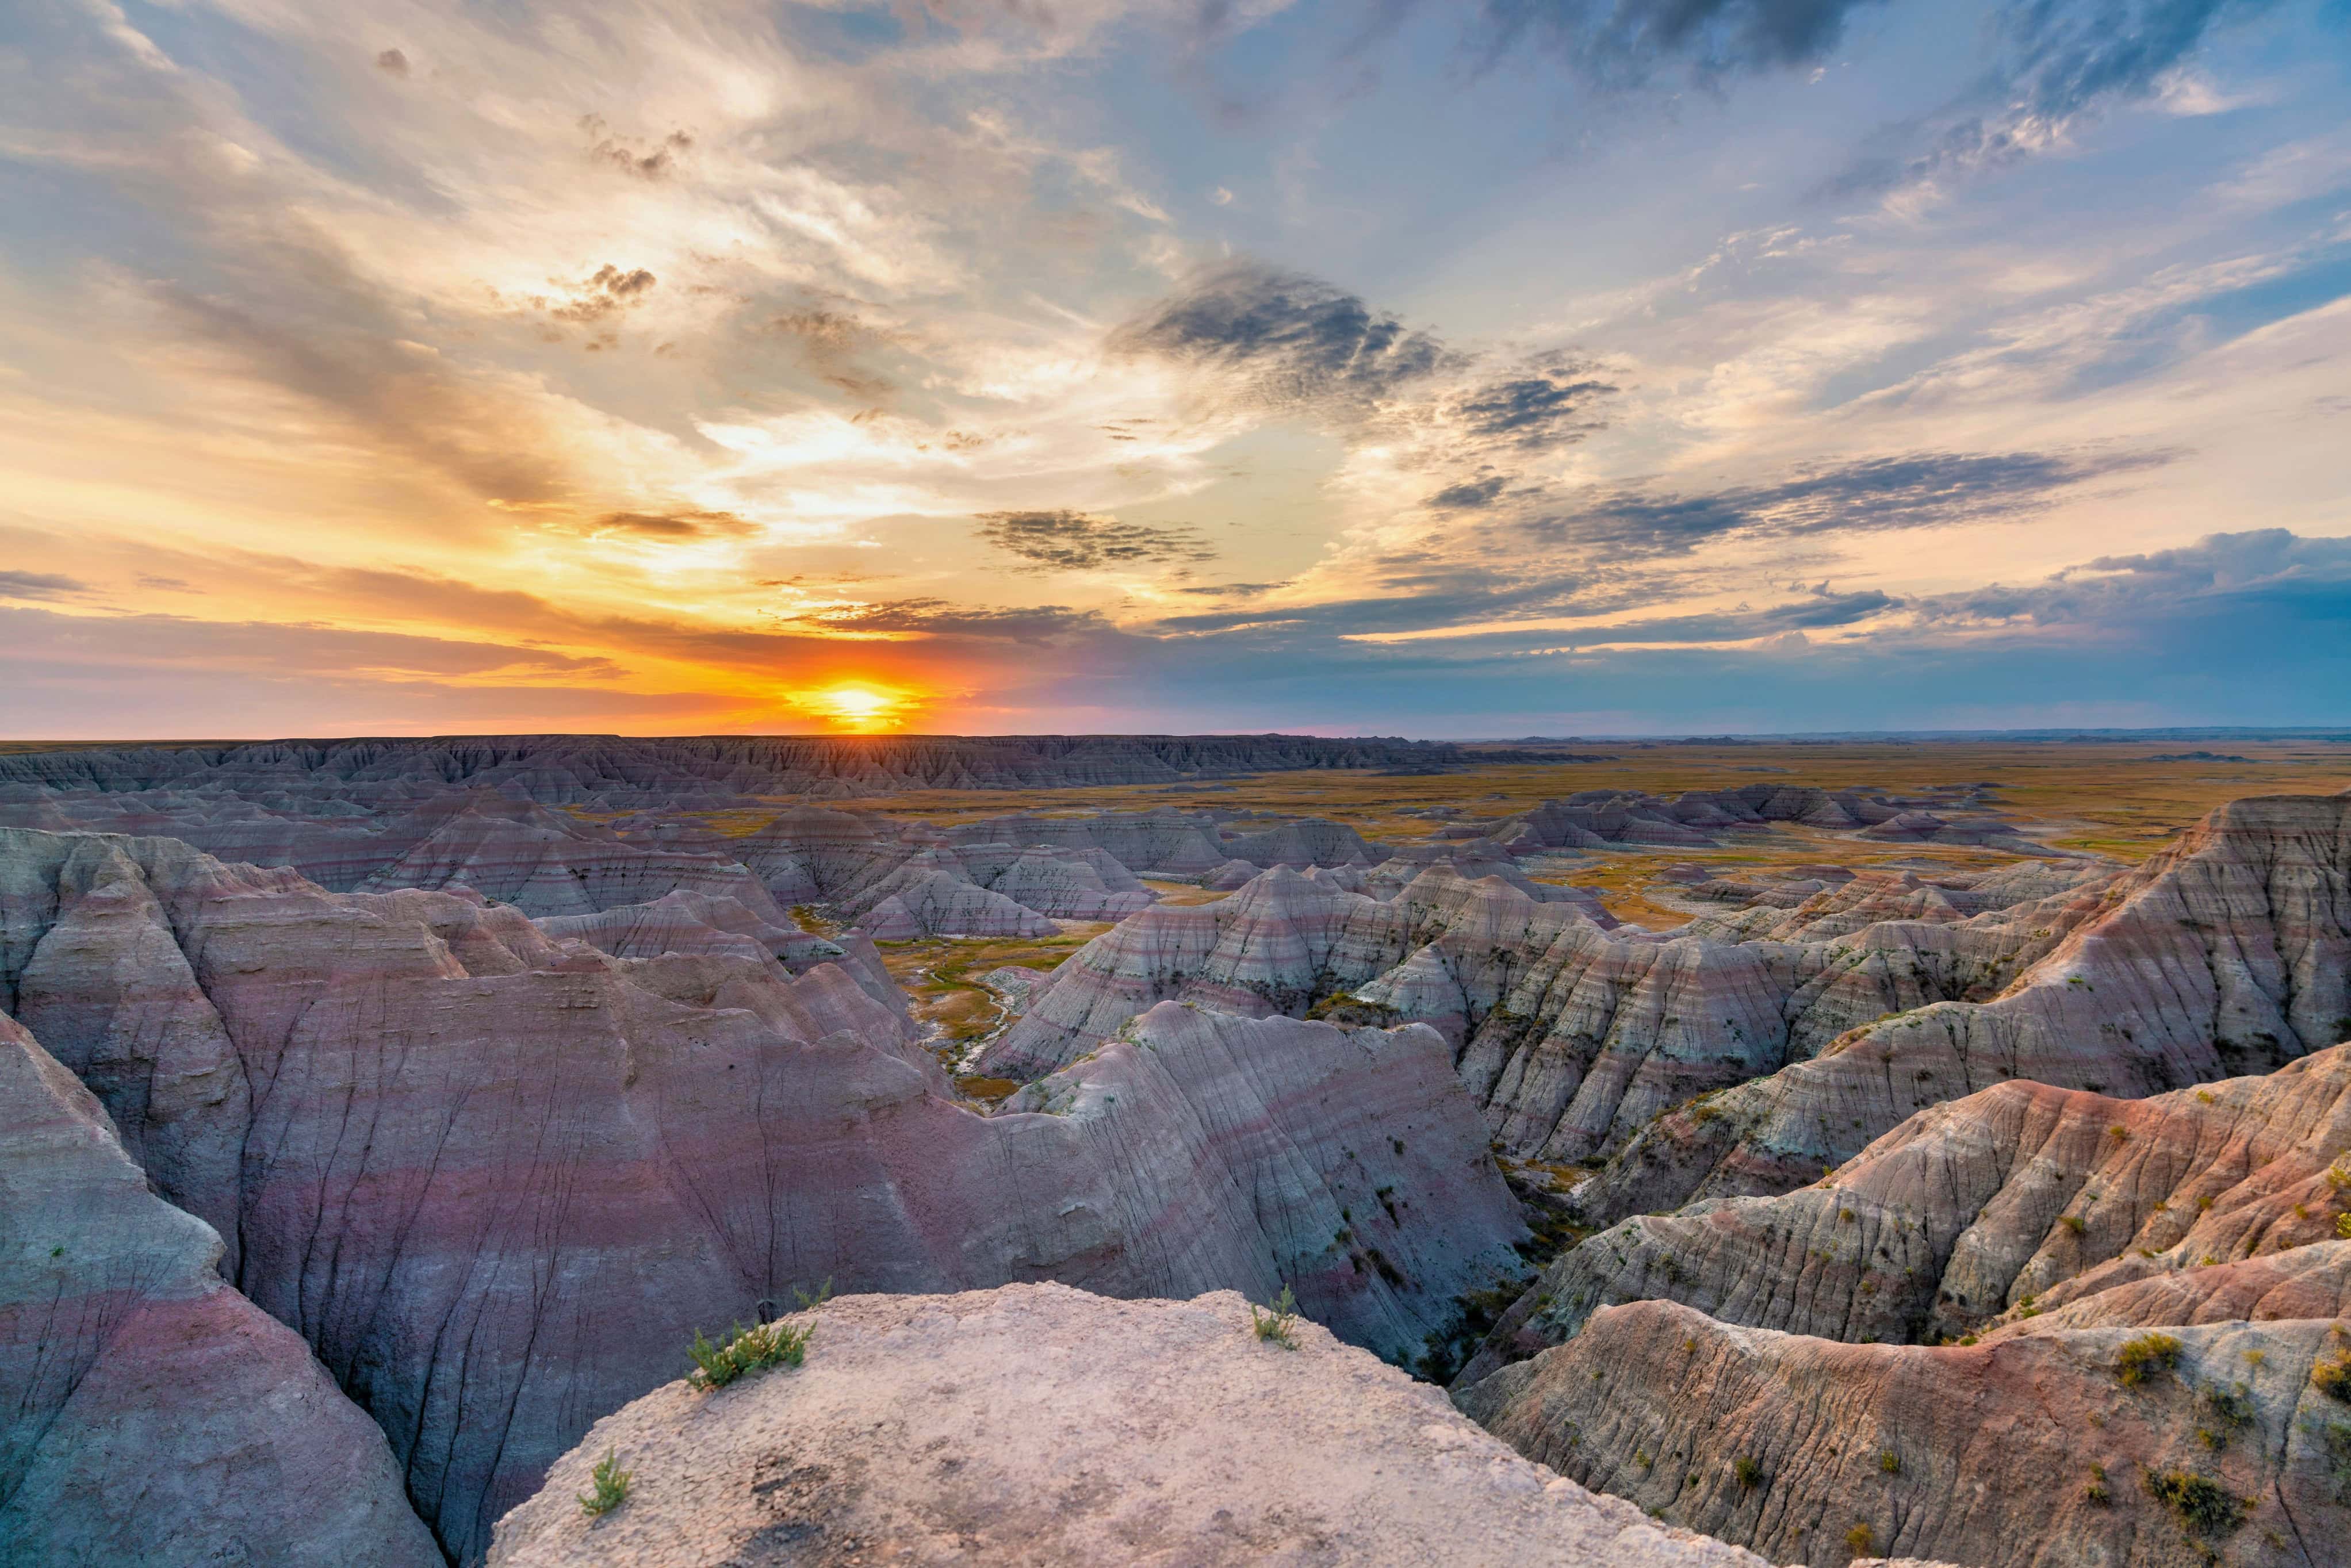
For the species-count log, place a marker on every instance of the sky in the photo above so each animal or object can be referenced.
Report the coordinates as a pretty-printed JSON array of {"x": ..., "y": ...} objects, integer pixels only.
[{"x": 1457, "y": 367}]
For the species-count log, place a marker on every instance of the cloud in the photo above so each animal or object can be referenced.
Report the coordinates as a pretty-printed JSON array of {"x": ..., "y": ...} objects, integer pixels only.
[
  {"x": 1286, "y": 342},
  {"x": 653, "y": 161},
  {"x": 606, "y": 292},
  {"x": 392, "y": 63},
  {"x": 1548, "y": 405},
  {"x": 1630, "y": 42},
  {"x": 2296, "y": 579},
  {"x": 829, "y": 341},
  {"x": 38, "y": 638},
  {"x": 1078, "y": 541},
  {"x": 38, "y": 585},
  {"x": 1871, "y": 496},
  {"x": 1469, "y": 495},
  {"x": 2058, "y": 62},
  {"x": 685, "y": 524},
  {"x": 943, "y": 618}
]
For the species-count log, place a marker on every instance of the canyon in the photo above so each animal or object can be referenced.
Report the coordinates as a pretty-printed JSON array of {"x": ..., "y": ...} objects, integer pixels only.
[{"x": 1711, "y": 1143}]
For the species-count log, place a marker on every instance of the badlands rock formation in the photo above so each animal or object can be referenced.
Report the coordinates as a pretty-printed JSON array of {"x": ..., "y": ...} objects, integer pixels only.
[
  {"x": 498, "y": 1181},
  {"x": 609, "y": 770},
  {"x": 1595, "y": 817},
  {"x": 2020, "y": 1198},
  {"x": 1572, "y": 1035},
  {"x": 1041, "y": 1425},
  {"x": 2228, "y": 953},
  {"x": 545, "y": 864},
  {"x": 148, "y": 1413},
  {"x": 2024, "y": 1451}
]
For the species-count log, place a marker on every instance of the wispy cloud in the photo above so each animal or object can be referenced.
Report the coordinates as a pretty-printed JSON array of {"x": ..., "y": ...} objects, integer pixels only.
[{"x": 1074, "y": 541}]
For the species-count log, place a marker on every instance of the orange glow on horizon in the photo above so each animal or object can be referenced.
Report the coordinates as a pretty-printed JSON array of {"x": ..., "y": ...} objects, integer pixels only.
[{"x": 857, "y": 707}]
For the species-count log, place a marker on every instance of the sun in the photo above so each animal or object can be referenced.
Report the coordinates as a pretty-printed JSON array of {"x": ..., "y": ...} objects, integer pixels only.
[{"x": 855, "y": 707}]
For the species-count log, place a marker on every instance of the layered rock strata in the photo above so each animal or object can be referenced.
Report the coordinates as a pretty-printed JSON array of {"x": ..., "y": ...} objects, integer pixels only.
[
  {"x": 2045, "y": 1448},
  {"x": 1571, "y": 1034},
  {"x": 2226, "y": 953},
  {"x": 498, "y": 1181},
  {"x": 148, "y": 1412},
  {"x": 2020, "y": 1199}
]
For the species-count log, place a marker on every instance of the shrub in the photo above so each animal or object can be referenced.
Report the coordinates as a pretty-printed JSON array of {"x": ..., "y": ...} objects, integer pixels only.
[
  {"x": 2227, "y": 1409},
  {"x": 754, "y": 1349},
  {"x": 1275, "y": 1323},
  {"x": 2205, "y": 1506},
  {"x": 1750, "y": 1473},
  {"x": 611, "y": 1484},
  {"x": 1860, "y": 1540},
  {"x": 2072, "y": 1222},
  {"x": 1890, "y": 1461},
  {"x": 2333, "y": 1377},
  {"x": 2148, "y": 1353}
]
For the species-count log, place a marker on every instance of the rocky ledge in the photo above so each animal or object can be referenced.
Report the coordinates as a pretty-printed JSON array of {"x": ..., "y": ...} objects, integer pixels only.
[{"x": 1041, "y": 1424}]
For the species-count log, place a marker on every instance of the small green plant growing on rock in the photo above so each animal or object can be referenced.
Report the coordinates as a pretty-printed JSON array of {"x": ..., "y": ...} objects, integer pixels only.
[
  {"x": 754, "y": 1349},
  {"x": 1750, "y": 1473},
  {"x": 2226, "y": 1410},
  {"x": 612, "y": 1487},
  {"x": 2095, "y": 1492},
  {"x": 1276, "y": 1323},
  {"x": 2205, "y": 1506},
  {"x": 2150, "y": 1353},
  {"x": 2333, "y": 1377},
  {"x": 1861, "y": 1539},
  {"x": 1890, "y": 1461}
]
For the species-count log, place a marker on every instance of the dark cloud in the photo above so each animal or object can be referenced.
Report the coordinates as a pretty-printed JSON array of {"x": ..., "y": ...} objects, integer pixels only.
[
  {"x": 1232, "y": 590},
  {"x": 167, "y": 584},
  {"x": 829, "y": 342},
  {"x": 687, "y": 524},
  {"x": 1628, "y": 42},
  {"x": 607, "y": 291},
  {"x": 1916, "y": 491},
  {"x": 1291, "y": 341},
  {"x": 38, "y": 585},
  {"x": 391, "y": 63},
  {"x": 940, "y": 617},
  {"x": 1468, "y": 496},
  {"x": 2300, "y": 579},
  {"x": 1078, "y": 542},
  {"x": 1546, "y": 406},
  {"x": 644, "y": 161}
]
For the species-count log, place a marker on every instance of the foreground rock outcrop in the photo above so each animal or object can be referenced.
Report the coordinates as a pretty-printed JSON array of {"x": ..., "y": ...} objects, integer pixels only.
[
  {"x": 1038, "y": 1424},
  {"x": 498, "y": 1180},
  {"x": 148, "y": 1413},
  {"x": 2041, "y": 1450}
]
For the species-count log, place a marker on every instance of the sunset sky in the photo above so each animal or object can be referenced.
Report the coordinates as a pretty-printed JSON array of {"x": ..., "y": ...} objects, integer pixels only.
[{"x": 1438, "y": 369}]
